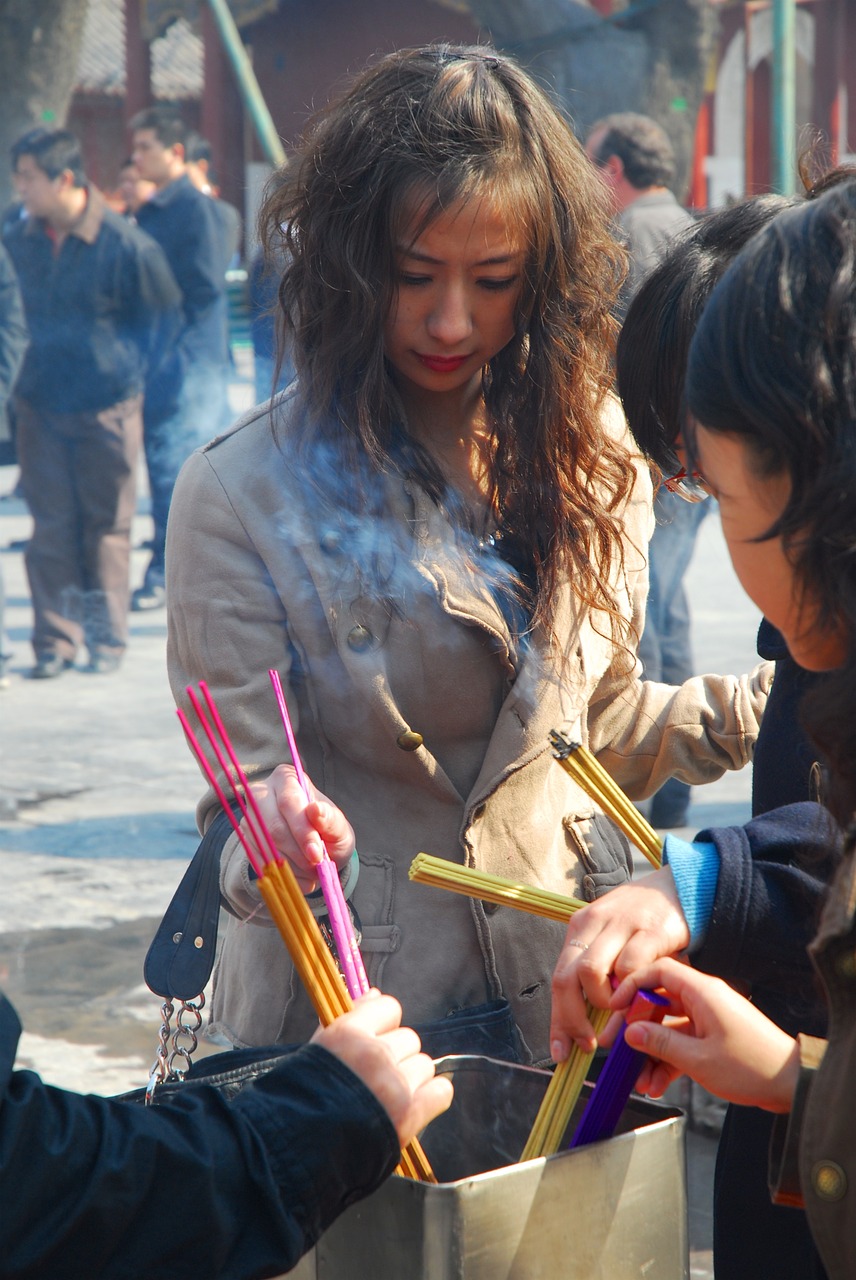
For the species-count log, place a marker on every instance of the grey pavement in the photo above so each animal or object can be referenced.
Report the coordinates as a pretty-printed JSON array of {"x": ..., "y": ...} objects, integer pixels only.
[{"x": 97, "y": 799}]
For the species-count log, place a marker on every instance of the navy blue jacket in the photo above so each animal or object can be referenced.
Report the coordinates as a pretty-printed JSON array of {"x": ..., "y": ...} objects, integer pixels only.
[
  {"x": 784, "y": 758},
  {"x": 773, "y": 877},
  {"x": 95, "y": 1186},
  {"x": 186, "y": 225},
  {"x": 100, "y": 311}
]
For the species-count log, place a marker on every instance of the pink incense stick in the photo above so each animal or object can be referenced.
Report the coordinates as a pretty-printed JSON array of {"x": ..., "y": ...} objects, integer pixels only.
[
  {"x": 340, "y": 918},
  {"x": 252, "y": 848}
]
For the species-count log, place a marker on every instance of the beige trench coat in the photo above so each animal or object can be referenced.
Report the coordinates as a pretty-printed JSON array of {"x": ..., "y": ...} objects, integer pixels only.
[{"x": 257, "y": 579}]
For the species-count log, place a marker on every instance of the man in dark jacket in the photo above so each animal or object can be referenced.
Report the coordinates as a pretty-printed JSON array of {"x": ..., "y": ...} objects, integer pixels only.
[
  {"x": 187, "y": 404},
  {"x": 101, "y": 304}
]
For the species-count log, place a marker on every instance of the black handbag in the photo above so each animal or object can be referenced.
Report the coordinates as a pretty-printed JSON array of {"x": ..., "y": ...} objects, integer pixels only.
[
  {"x": 180, "y": 959},
  {"x": 228, "y": 1072}
]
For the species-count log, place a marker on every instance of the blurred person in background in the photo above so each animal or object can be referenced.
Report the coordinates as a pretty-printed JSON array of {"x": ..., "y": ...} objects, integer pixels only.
[
  {"x": 133, "y": 189},
  {"x": 13, "y": 344},
  {"x": 100, "y": 304},
  {"x": 636, "y": 162},
  {"x": 201, "y": 174},
  {"x": 187, "y": 403}
]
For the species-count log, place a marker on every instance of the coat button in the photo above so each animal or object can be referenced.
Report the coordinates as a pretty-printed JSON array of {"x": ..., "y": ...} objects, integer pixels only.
[
  {"x": 846, "y": 964},
  {"x": 330, "y": 541},
  {"x": 828, "y": 1180},
  {"x": 360, "y": 639},
  {"x": 409, "y": 741},
  {"x": 491, "y": 908}
]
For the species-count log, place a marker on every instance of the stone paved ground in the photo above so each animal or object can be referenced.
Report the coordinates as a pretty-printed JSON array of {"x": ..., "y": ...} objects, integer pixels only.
[{"x": 96, "y": 826}]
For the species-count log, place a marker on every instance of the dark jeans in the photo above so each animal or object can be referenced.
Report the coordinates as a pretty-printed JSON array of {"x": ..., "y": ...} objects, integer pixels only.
[
  {"x": 751, "y": 1235},
  {"x": 665, "y": 649},
  {"x": 486, "y": 1029},
  {"x": 169, "y": 441},
  {"x": 79, "y": 479}
]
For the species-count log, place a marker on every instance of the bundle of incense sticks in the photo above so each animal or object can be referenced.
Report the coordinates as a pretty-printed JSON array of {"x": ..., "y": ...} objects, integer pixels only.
[
  {"x": 618, "y": 1074},
  {"x": 425, "y": 869},
  {"x": 582, "y": 766},
  {"x": 567, "y": 1082},
  {"x": 337, "y": 909},
  {"x": 279, "y": 888},
  {"x": 559, "y": 1101}
]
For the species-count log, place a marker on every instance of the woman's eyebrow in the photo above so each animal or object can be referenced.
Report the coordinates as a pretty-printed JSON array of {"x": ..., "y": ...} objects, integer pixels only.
[{"x": 499, "y": 259}]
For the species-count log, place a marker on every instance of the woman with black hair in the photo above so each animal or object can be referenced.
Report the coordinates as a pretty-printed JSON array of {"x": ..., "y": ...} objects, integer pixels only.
[
  {"x": 771, "y": 390},
  {"x": 772, "y": 872}
]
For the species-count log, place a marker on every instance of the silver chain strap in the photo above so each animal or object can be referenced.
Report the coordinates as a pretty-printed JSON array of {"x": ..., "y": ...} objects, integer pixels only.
[{"x": 172, "y": 1061}]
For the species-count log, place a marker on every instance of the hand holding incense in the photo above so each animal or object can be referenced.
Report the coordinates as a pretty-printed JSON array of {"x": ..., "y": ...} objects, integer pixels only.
[
  {"x": 328, "y": 876},
  {"x": 618, "y": 1074},
  {"x": 279, "y": 888},
  {"x": 563, "y": 1091}
]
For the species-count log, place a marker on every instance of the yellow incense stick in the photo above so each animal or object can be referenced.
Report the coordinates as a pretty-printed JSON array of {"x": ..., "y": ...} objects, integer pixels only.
[
  {"x": 425, "y": 869},
  {"x": 567, "y": 1081},
  {"x": 281, "y": 893},
  {"x": 316, "y": 968},
  {"x": 581, "y": 765},
  {"x": 558, "y": 1103}
]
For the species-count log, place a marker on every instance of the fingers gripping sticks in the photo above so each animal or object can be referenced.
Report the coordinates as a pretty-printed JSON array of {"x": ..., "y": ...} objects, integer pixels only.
[{"x": 279, "y": 888}]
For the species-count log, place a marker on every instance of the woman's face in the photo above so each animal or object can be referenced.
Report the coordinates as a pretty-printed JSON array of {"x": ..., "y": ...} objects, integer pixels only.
[
  {"x": 749, "y": 504},
  {"x": 454, "y": 305}
]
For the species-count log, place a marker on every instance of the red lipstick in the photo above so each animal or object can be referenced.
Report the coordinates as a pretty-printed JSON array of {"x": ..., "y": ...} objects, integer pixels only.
[{"x": 442, "y": 364}]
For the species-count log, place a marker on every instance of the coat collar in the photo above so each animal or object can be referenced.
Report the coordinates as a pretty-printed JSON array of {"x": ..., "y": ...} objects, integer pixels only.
[{"x": 86, "y": 228}]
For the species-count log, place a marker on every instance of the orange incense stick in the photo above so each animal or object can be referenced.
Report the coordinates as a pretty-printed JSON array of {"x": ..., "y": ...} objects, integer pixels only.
[{"x": 279, "y": 888}]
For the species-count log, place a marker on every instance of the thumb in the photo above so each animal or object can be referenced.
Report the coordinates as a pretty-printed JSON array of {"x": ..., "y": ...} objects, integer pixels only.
[{"x": 662, "y": 1043}]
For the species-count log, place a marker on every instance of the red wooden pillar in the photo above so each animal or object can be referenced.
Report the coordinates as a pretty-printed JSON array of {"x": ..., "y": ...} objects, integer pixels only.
[
  {"x": 698, "y": 193},
  {"x": 138, "y": 63},
  {"x": 216, "y": 86}
]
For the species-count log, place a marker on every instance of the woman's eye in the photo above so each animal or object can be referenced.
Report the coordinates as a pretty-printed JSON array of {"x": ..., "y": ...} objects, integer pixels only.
[
  {"x": 496, "y": 285},
  {"x": 406, "y": 278}
]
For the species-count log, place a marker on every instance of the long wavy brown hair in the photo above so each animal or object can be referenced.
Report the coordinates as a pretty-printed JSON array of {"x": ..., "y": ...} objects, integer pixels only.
[{"x": 428, "y": 128}]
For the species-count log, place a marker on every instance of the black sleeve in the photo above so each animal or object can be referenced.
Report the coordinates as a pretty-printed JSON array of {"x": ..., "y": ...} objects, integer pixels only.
[
  {"x": 112, "y": 1189},
  {"x": 772, "y": 879},
  {"x": 201, "y": 281},
  {"x": 153, "y": 300},
  {"x": 13, "y": 327}
]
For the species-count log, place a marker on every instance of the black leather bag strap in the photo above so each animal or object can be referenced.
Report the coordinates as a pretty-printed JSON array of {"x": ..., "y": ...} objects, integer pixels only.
[{"x": 181, "y": 956}]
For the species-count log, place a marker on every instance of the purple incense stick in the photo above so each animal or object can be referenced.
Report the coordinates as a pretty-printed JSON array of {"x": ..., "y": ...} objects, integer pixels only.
[{"x": 618, "y": 1075}]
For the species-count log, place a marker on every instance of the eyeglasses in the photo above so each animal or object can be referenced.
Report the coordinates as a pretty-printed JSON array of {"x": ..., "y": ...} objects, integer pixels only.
[{"x": 689, "y": 485}]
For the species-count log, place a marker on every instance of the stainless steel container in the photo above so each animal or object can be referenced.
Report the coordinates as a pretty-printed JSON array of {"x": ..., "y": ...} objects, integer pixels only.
[{"x": 610, "y": 1211}]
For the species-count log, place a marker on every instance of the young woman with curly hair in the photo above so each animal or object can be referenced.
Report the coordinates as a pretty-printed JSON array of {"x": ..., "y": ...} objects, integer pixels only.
[{"x": 437, "y": 537}]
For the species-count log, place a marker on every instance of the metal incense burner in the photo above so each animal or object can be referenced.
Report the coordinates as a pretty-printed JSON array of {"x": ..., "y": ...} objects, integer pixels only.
[{"x": 615, "y": 1210}]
